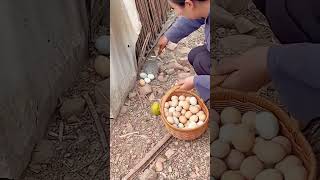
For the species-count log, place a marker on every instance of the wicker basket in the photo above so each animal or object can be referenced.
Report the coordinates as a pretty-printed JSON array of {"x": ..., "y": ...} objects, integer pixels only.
[
  {"x": 249, "y": 102},
  {"x": 184, "y": 134}
]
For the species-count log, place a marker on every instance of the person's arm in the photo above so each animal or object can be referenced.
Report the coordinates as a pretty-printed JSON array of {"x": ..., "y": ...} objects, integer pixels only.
[
  {"x": 295, "y": 72},
  {"x": 202, "y": 85},
  {"x": 182, "y": 28}
]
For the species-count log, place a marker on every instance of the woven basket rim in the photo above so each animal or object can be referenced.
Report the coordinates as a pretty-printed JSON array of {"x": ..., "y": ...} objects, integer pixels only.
[
  {"x": 300, "y": 141},
  {"x": 176, "y": 90}
]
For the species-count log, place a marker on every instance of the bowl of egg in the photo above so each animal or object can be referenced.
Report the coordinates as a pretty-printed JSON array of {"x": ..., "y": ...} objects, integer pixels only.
[{"x": 184, "y": 114}]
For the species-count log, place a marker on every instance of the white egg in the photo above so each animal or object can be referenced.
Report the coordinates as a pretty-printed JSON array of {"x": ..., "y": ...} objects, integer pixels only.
[
  {"x": 174, "y": 103},
  {"x": 194, "y": 118},
  {"x": 172, "y": 109},
  {"x": 166, "y": 105},
  {"x": 176, "y": 120},
  {"x": 151, "y": 76},
  {"x": 181, "y": 125},
  {"x": 193, "y": 101},
  {"x": 147, "y": 80},
  {"x": 143, "y": 75},
  {"x": 174, "y": 98},
  {"x": 182, "y": 98},
  {"x": 176, "y": 114},
  {"x": 181, "y": 103},
  {"x": 199, "y": 123},
  {"x": 194, "y": 109},
  {"x": 188, "y": 114},
  {"x": 199, "y": 113},
  {"x": 192, "y": 125},
  {"x": 170, "y": 119},
  {"x": 267, "y": 125},
  {"x": 202, "y": 117},
  {"x": 178, "y": 108},
  {"x": 183, "y": 111}
]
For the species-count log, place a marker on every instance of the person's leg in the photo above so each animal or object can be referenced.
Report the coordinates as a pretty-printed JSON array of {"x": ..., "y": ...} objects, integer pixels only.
[
  {"x": 194, "y": 52},
  {"x": 202, "y": 63}
]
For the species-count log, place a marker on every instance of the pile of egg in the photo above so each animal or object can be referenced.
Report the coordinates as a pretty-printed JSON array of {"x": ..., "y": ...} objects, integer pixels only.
[
  {"x": 145, "y": 78},
  {"x": 184, "y": 112}
]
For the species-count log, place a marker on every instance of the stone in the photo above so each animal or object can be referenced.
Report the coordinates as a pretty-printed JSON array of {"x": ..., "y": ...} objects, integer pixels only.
[
  {"x": 244, "y": 25},
  {"x": 162, "y": 78},
  {"x": 132, "y": 95},
  {"x": 148, "y": 174},
  {"x": 170, "y": 71},
  {"x": 222, "y": 17},
  {"x": 71, "y": 107},
  {"x": 170, "y": 169},
  {"x": 238, "y": 42},
  {"x": 151, "y": 67},
  {"x": 183, "y": 75},
  {"x": 159, "y": 166},
  {"x": 175, "y": 65},
  {"x": 152, "y": 97},
  {"x": 102, "y": 66},
  {"x": 43, "y": 152},
  {"x": 103, "y": 44},
  {"x": 145, "y": 90},
  {"x": 124, "y": 109},
  {"x": 169, "y": 153}
]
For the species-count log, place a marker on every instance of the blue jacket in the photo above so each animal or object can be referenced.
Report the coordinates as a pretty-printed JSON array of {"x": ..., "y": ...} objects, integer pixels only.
[{"x": 181, "y": 29}]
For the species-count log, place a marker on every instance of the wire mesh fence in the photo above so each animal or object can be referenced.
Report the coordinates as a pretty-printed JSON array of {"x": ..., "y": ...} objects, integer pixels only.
[{"x": 153, "y": 14}]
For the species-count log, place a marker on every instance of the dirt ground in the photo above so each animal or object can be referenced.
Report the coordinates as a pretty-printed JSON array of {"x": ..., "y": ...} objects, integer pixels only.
[
  {"x": 189, "y": 159},
  {"x": 79, "y": 155}
]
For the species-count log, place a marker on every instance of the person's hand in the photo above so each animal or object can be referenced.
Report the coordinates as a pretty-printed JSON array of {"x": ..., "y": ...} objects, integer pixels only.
[
  {"x": 187, "y": 83},
  {"x": 163, "y": 41},
  {"x": 246, "y": 73}
]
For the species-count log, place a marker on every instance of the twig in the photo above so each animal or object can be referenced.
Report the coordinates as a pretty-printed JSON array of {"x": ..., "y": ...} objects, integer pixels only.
[
  {"x": 148, "y": 156},
  {"x": 89, "y": 163},
  {"x": 125, "y": 135},
  {"x": 61, "y": 131},
  {"x": 97, "y": 121},
  {"x": 67, "y": 137}
]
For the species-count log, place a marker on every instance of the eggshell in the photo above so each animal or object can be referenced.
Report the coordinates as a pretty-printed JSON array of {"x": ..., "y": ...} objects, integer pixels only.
[
  {"x": 183, "y": 111},
  {"x": 288, "y": 162},
  {"x": 174, "y": 98},
  {"x": 194, "y": 109},
  {"x": 214, "y": 131},
  {"x": 234, "y": 159},
  {"x": 285, "y": 142},
  {"x": 193, "y": 101},
  {"x": 178, "y": 108},
  {"x": 267, "y": 125},
  {"x": 270, "y": 174},
  {"x": 186, "y": 105},
  {"x": 226, "y": 132},
  {"x": 147, "y": 80},
  {"x": 188, "y": 114},
  {"x": 269, "y": 152},
  {"x": 244, "y": 139},
  {"x": 202, "y": 117},
  {"x": 230, "y": 115},
  {"x": 170, "y": 120},
  {"x": 219, "y": 149},
  {"x": 295, "y": 173},
  {"x": 172, "y": 109},
  {"x": 143, "y": 75},
  {"x": 249, "y": 118},
  {"x": 182, "y": 119},
  {"x": 217, "y": 167},
  {"x": 182, "y": 98},
  {"x": 251, "y": 167},
  {"x": 166, "y": 105},
  {"x": 232, "y": 175},
  {"x": 194, "y": 118},
  {"x": 151, "y": 76}
]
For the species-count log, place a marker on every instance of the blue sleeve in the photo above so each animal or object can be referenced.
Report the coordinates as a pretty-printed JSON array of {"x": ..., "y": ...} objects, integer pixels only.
[
  {"x": 202, "y": 85},
  {"x": 295, "y": 73},
  {"x": 182, "y": 28}
]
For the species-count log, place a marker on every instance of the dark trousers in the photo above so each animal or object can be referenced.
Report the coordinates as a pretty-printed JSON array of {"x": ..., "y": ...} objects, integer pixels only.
[{"x": 199, "y": 58}]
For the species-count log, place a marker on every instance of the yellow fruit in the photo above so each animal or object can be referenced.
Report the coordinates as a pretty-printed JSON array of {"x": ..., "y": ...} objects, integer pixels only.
[{"x": 155, "y": 108}]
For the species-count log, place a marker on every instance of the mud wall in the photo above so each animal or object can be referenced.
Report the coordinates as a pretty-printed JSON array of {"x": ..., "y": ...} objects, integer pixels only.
[{"x": 43, "y": 45}]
